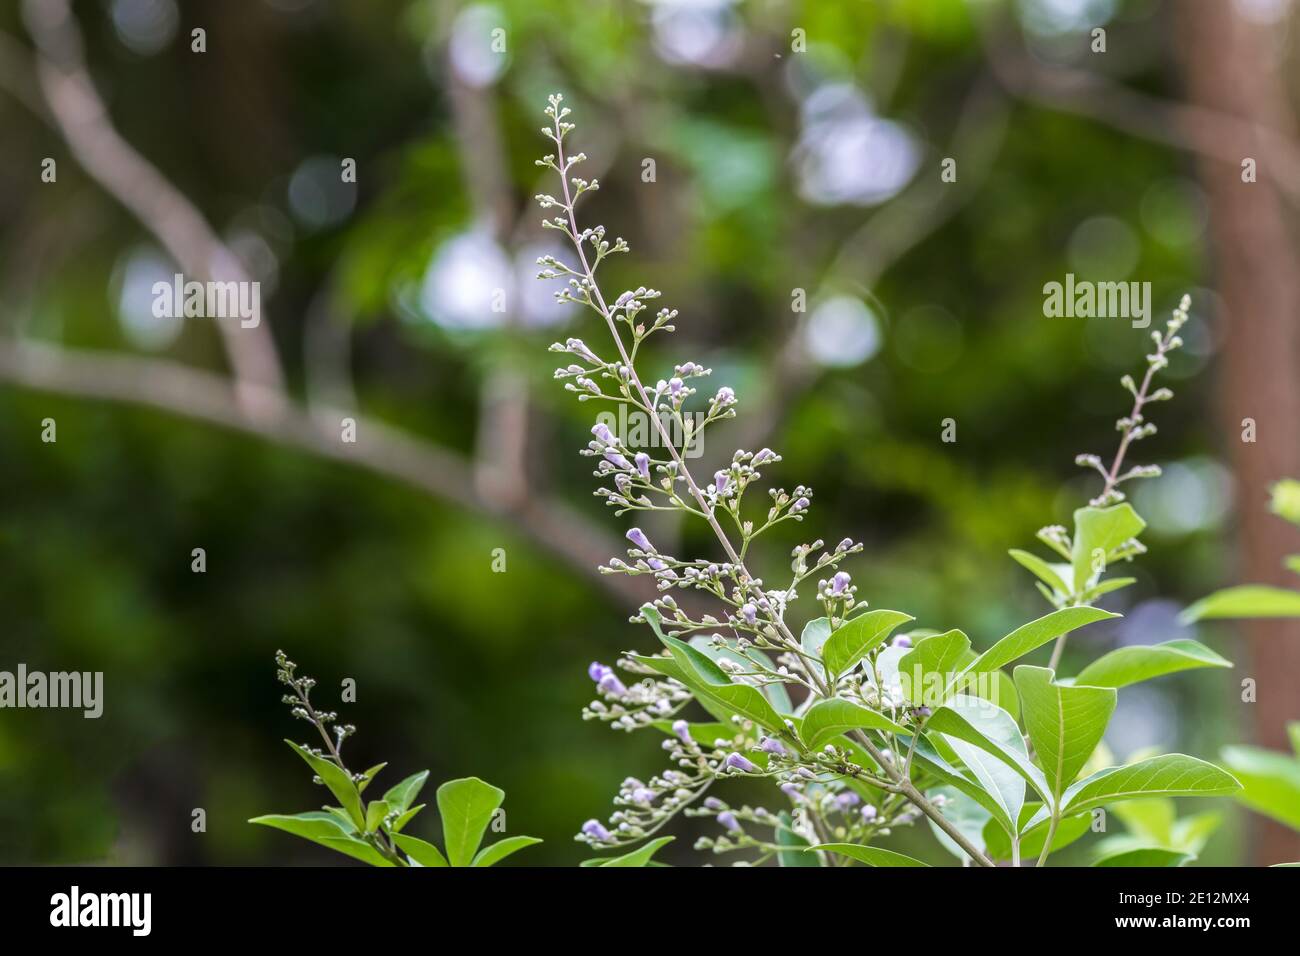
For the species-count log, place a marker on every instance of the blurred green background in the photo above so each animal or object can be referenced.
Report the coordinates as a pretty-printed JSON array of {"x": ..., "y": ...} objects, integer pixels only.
[{"x": 775, "y": 169}]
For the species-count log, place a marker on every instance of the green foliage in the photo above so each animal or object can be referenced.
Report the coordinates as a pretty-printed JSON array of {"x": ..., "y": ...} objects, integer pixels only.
[
  {"x": 372, "y": 831},
  {"x": 1270, "y": 780},
  {"x": 883, "y": 734}
]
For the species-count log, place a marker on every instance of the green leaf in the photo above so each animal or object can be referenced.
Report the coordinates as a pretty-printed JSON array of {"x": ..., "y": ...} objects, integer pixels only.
[
  {"x": 1044, "y": 571},
  {"x": 638, "y": 857},
  {"x": 421, "y": 851},
  {"x": 405, "y": 818},
  {"x": 706, "y": 679},
  {"x": 870, "y": 855},
  {"x": 776, "y": 694},
  {"x": 1168, "y": 775},
  {"x": 858, "y": 636},
  {"x": 375, "y": 813},
  {"x": 466, "y": 806},
  {"x": 1147, "y": 856},
  {"x": 1270, "y": 782},
  {"x": 988, "y": 741},
  {"x": 668, "y": 667},
  {"x": 1247, "y": 600},
  {"x": 930, "y": 666},
  {"x": 400, "y": 795},
  {"x": 337, "y": 780},
  {"x": 1129, "y": 665},
  {"x": 829, "y": 718},
  {"x": 315, "y": 825},
  {"x": 1035, "y": 634},
  {"x": 491, "y": 855},
  {"x": 793, "y": 844},
  {"x": 927, "y": 757},
  {"x": 357, "y": 849},
  {"x": 1100, "y": 528},
  {"x": 965, "y": 814},
  {"x": 1065, "y": 724},
  {"x": 368, "y": 776},
  {"x": 1293, "y": 732}
]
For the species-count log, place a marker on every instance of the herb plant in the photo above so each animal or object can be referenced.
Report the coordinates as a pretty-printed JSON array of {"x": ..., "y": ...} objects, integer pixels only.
[
  {"x": 857, "y": 733},
  {"x": 373, "y": 831}
]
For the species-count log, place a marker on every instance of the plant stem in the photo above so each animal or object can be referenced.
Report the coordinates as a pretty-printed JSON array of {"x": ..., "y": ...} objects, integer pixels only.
[{"x": 1051, "y": 832}]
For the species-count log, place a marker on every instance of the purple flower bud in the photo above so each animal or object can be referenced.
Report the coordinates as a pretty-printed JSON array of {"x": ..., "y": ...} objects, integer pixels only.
[
  {"x": 840, "y": 582},
  {"x": 643, "y": 464},
  {"x": 618, "y": 461},
  {"x": 749, "y": 613},
  {"x": 714, "y": 804},
  {"x": 847, "y": 800},
  {"x": 638, "y": 538},
  {"x": 596, "y": 831},
  {"x": 844, "y": 545},
  {"x": 868, "y": 813},
  {"x": 596, "y": 671},
  {"x": 800, "y": 504},
  {"x": 610, "y": 684},
  {"x": 720, "y": 480},
  {"x": 773, "y": 746},
  {"x": 736, "y": 762},
  {"x": 902, "y": 641},
  {"x": 728, "y": 820},
  {"x": 725, "y": 396},
  {"x": 655, "y": 564},
  {"x": 791, "y": 791},
  {"x": 643, "y": 795},
  {"x": 675, "y": 386},
  {"x": 763, "y": 455},
  {"x": 602, "y": 432},
  {"x": 683, "y": 731},
  {"x": 806, "y": 773}
]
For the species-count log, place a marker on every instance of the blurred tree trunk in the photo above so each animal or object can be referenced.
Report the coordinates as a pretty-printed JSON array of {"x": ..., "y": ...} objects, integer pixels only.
[{"x": 1231, "y": 67}]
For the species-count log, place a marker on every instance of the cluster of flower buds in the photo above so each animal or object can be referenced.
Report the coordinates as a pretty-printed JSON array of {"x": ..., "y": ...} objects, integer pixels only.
[{"x": 629, "y": 708}]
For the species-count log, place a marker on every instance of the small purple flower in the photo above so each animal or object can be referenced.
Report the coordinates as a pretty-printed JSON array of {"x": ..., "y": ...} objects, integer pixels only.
[
  {"x": 643, "y": 795},
  {"x": 839, "y": 583},
  {"x": 868, "y": 813},
  {"x": 610, "y": 684},
  {"x": 618, "y": 461},
  {"x": 800, "y": 504},
  {"x": 728, "y": 820},
  {"x": 735, "y": 761},
  {"x": 750, "y": 614},
  {"x": 603, "y": 434},
  {"x": 791, "y": 791},
  {"x": 638, "y": 538},
  {"x": 763, "y": 455},
  {"x": 596, "y": 831},
  {"x": 720, "y": 481},
  {"x": 772, "y": 746},
  {"x": 714, "y": 804},
  {"x": 847, "y": 800},
  {"x": 607, "y": 681},
  {"x": 683, "y": 731},
  {"x": 725, "y": 396},
  {"x": 643, "y": 464},
  {"x": 655, "y": 564},
  {"x": 902, "y": 641},
  {"x": 675, "y": 386},
  {"x": 844, "y": 545}
]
